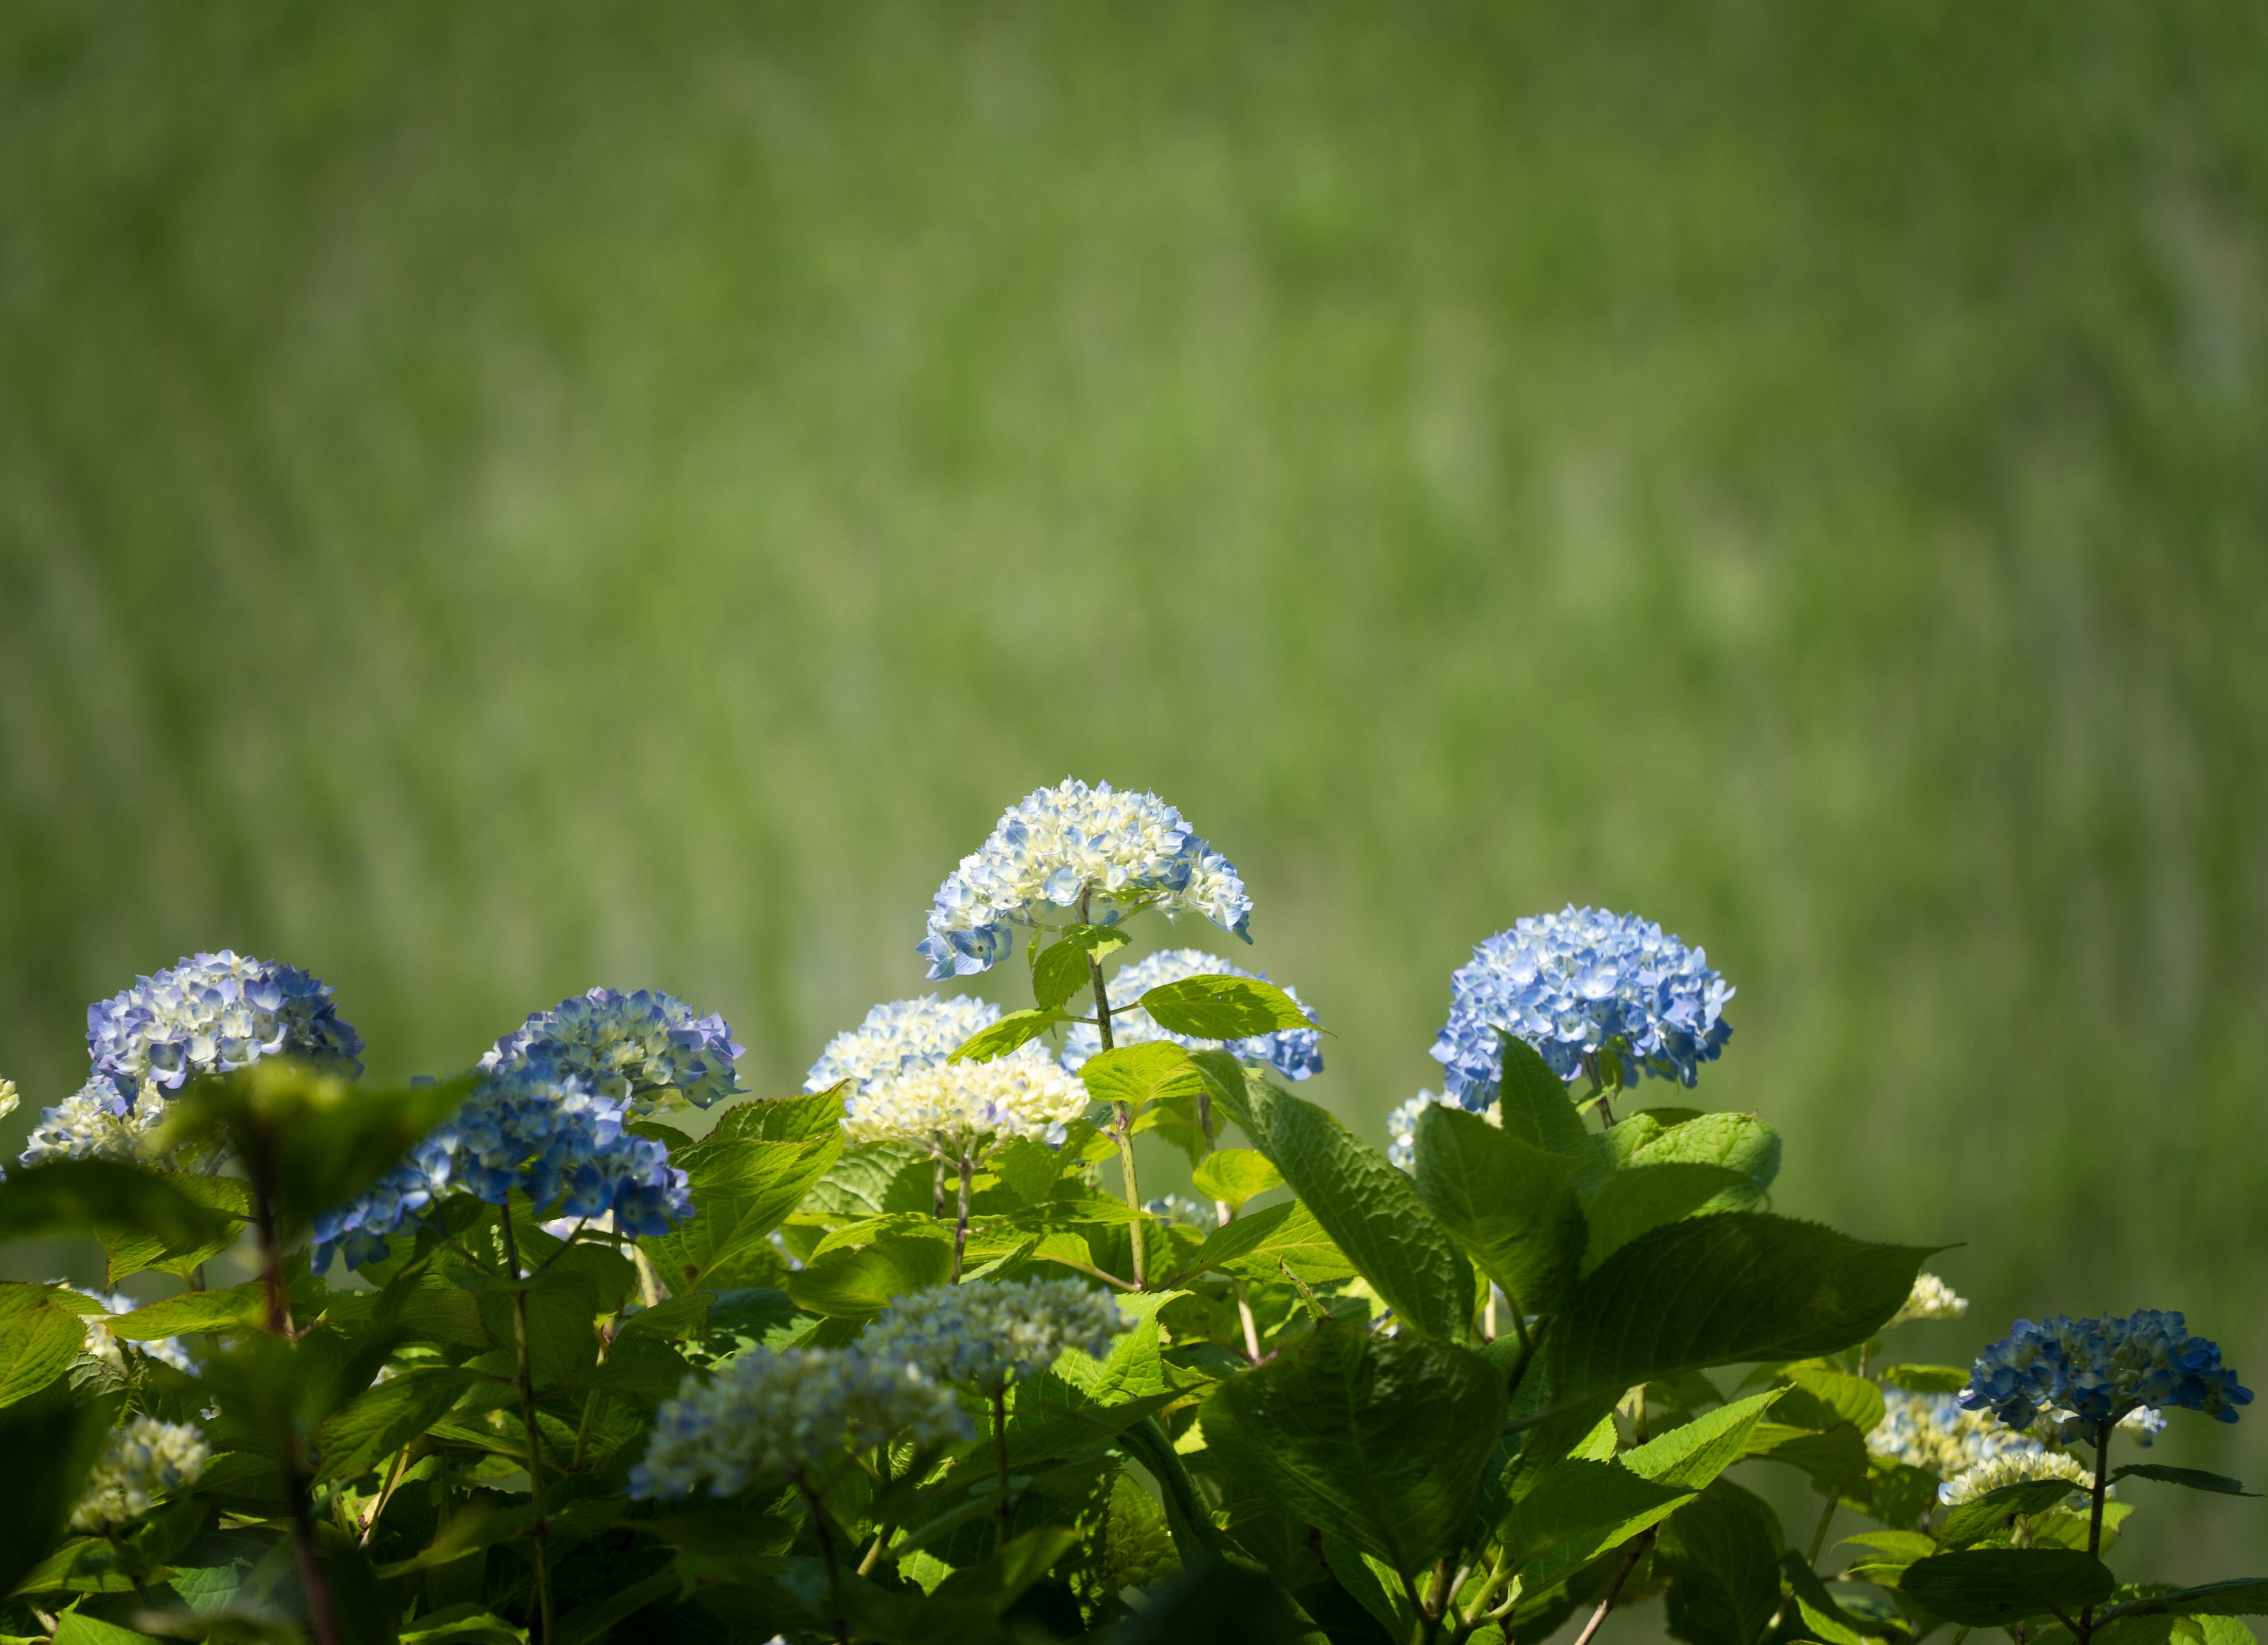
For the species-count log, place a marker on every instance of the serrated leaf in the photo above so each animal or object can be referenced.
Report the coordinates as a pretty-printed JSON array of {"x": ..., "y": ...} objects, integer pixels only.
[
  {"x": 860, "y": 1284},
  {"x": 232, "y": 1309},
  {"x": 743, "y": 1184},
  {"x": 1535, "y": 1107},
  {"x": 1138, "y": 1075},
  {"x": 1017, "y": 1028},
  {"x": 1980, "y": 1516},
  {"x": 1380, "y": 1440},
  {"x": 1640, "y": 1196},
  {"x": 1724, "y": 1290},
  {"x": 386, "y": 1416},
  {"x": 38, "y": 1340},
  {"x": 1847, "y": 1398},
  {"x": 1993, "y": 1587},
  {"x": 1235, "y": 1176},
  {"x": 2195, "y": 1478},
  {"x": 1222, "y": 1007},
  {"x": 675, "y": 1320},
  {"x": 1740, "y": 1143},
  {"x": 1251, "y": 1246},
  {"x": 127, "y": 1252},
  {"x": 1061, "y": 971},
  {"x": 1372, "y": 1214},
  {"x": 1512, "y": 1205}
]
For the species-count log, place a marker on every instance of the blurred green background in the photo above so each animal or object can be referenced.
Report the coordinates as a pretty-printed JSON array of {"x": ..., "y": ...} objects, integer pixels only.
[{"x": 494, "y": 499}]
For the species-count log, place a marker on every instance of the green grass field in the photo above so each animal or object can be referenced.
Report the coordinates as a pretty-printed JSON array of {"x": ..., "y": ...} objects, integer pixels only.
[{"x": 495, "y": 499}]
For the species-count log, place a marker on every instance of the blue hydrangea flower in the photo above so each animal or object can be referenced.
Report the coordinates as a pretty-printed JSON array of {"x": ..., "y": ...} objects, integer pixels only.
[
  {"x": 210, "y": 1014},
  {"x": 2100, "y": 1370},
  {"x": 552, "y": 1138},
  {"x": 899, "y": 1037},
  {"x": 1575, "y": 984},
  {"x": 1295, "y": 1053},
  {"x": 1124, "y": 852},
  {"x": 633, "y": 1048}
]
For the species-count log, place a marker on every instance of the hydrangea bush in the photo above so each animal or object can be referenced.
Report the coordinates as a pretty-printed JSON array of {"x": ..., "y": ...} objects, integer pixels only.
[{"x": 909, "y": 1357}]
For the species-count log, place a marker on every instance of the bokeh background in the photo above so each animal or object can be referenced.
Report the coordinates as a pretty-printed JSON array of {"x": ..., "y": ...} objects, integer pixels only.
[{"x": 495, "y": 499}]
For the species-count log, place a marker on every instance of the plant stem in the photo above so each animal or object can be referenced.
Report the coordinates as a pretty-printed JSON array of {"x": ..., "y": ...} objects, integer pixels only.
[
  {"x": 1819, "y": 1537},
  {"x": 534, "y": 1429},
  {"x": 1122, "y": 1126},
  {"x": 960, "y": 1218},
  {"x": 1606, "y": 1600},
  {"x": 322, "y": 1615},
  {"x": 827, "y": 1558},
  {"x": 2095, "y": 1516},
  {"x": 937, "y": 1190},
  {"x": 278, "y": 1323},
  {"x": 1000, "y": 1511}
]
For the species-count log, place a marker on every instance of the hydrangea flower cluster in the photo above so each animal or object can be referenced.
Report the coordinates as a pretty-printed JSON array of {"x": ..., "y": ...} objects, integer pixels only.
[
  {"x": 636, "y": 1048},
  {"x": 1575, "y": 984},
  {"x": 551, "y": 1138},
  {"x": 1059, "y": 845},
  {"x": 2014, "y": 1468},
  {"x": 2099, "y": 1371},
  {"x": 1295, "y": 1053},
  {"x": 1401, "y": 1126},
  {"x": 1932, "y": 1433},
  {"x": 8, "y": 1098},
  {"x": 947, "y": 1108},
  {"x": 990, "y": 1335},
  {"x": 898, "y": 1037},
  {"x": 87, "y": 1124},
  {"x": 144, "y": 1459},
  {"x": 1931, "y": 1298},
  {"x": 210, "y": 1014},
  {"x": 775, "y": 1415}
]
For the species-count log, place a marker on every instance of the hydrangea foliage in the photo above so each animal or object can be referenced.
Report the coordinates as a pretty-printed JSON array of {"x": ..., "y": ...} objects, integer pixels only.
[
  {"x": 900, "y": 1036},
  {"x": 1116, "y": 851},
  {"x": 636, "y": 1048},
  {"x": 1576, "y": 985},
  {"x": 1295, "y": 1053}
]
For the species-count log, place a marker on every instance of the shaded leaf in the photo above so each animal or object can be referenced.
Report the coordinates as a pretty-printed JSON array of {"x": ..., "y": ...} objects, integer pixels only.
[
  {"x": 2195, "y": 1478},
  {"x": 1512, "y": 1204},
  {"x": 76, "y": 1197},
  {"x": 386, "y": 1416},
  {"x": 1646, "y": 1196},
  {"x": 1993, "y": 1587},
  {"x": 232, "y": 1309},
  {"x": 1723, "y": 1564},
  {"x": 50, "y": 1444},
  {"x": 859, "y": 1284},
  {"x": 1981, "y": 1516},
  {"x": 38, "y": 1340},
  {"x": 1222, "y": 1007}
]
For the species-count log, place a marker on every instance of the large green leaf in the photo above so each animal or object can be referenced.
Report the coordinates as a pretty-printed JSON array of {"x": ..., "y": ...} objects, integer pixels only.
[
  {"x": 1535, "y": 1107},
  {"x": 1138, "y": 1075},
  {"x": 1991, "y": 1588},
  {"x": 743, "y": 1182},
  {"x": 1233, "y": 1175},
  {"x": 386, "y": 1417},
  {"x": 1645, "y": 1195},
  {"x": 50, "y": 1445},
  {"x": 1380, "y": 1440},
  {"x": 1252, "y": 1246},
  {"x": 1058, "y": 971},
  {"x": 1511, "y": 1204},
  {"x": 1741, "y": 1143},
  {"x": 1723, "y": 1566},
  {"x": 1373, "y": 1214},
  {"x": 1222, "y": 1007},
  {"x": 1980, "y": 1516},
  {"x": 81, "y": 1196},
  {"x": 860, "y": 1284},
  {"x": 130, "y": 1253},
  {"x": 193, "y": 1311},
  {"x": 1722, "y": 1290},
  {"x": 38, "y": 1338}
]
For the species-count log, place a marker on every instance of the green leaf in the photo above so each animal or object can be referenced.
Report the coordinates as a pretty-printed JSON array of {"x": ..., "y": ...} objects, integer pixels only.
[
  {"x": 1251, "y": 1246},
  {"x": 1722, "y": 1290},
  {"x": 50, "y": 1445},
  {"x": 1980, "y": 1516},
  {"x": 1512, "y": 1204},
  {"x": 386, "y": 1416},
  {"x": 1641, "y": 1196},
  {"x": 76, "y": 1627},
  {"x": 80, "y": 1197},
  {"x": 1212, "y": 1599},
  {"x": 1060, "y": 972},
  {"x": 677, "y": 1319},
  {"x": 1993, "y": 1587},
  {"x": 859, "y": 1284},
  {"x": 1235, "y": 1176},
  {"x": 1016, "y": 1029},
  {"x": 1373, "y": 1214},
  {"x": 128, "y": 1252},
  {"x": 1225, "y": 1082},
  {"x": 1741, "y": 1143},
  {"x": 1827, "y": 1620},
  {"x": 1926, "y": 1379},
  {"x": 1841, "y": 1397},
  {"x": 743, "y": 1184},
  {"x": 802, "y": 1118},
  {"x": 2239, "y": 1597},
  {"x": 2197, "y": 1480},
  {"x": 1222, "y": 1007},
  {"x": 1723, "y": 1566},
  {"x": 1534, "y": 1105},
  {"x": 232, "y": 1309},
  {"x": 37, "y": 1339},
  {"x": 466, "y": 1623},
  {"x": 1138, "y": 1075},
  {"x": 1380, "y": 1440}
]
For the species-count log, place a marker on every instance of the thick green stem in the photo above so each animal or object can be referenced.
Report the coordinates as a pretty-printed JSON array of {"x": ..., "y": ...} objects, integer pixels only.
[
  {"x": 1122, "y": 1127},
  {"x": 535, "y": 1431},
  {"x": 2094, "y": 1514},
  {"x": 961, "y": 1219}
]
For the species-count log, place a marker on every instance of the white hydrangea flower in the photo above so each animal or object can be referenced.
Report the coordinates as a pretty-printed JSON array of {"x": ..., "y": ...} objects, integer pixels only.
[
  {"x": 1932, "y": 1433},
  {"x": 144, "y": 1460},
  {"x": 2142, "y": 1425},
  {"x": 2013, "y": 1468},
  {"x": 8, "y": 1098},
  {"x": 86, "y": 1126},
  {"x": 899, "y": 1037},
  {"x": 1931, "y": 1298},
  {"x": 1401, "y": 1126},
  {"x": 1058, "y": 845},
  {"x": 946, "y": 1109},
  {"x": 990, "y": 1335},
  {"x": 768, "y": 1415}
]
